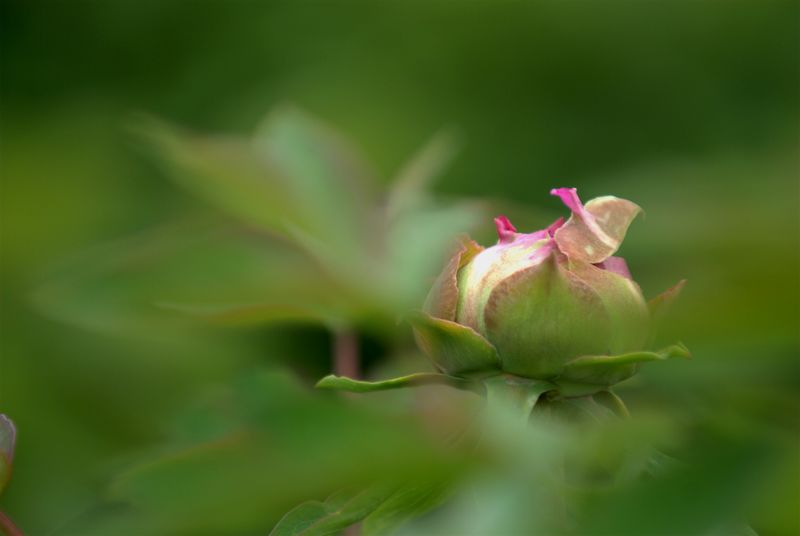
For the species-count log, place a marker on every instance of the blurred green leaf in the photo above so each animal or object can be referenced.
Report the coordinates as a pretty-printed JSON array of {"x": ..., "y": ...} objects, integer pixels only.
[
  {"x": 225, "y": 172},
  {"x": 330, "y": 180},
  {"x": 408, "y": 502},
  {"x": 321, "y": 519},
  {"x": 263, "y": 463},
  {"x": 411, "y": 187},
  {"x": 211, "y": 271},
  {"x": 702, "y": 496}
]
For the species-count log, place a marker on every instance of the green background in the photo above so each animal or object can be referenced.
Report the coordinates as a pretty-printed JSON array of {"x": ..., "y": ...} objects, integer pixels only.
[{"x": 690, "y": 109}]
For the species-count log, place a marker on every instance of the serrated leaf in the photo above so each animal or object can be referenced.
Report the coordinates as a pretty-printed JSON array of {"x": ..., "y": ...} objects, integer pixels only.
[{"x": 341, "y": 383}]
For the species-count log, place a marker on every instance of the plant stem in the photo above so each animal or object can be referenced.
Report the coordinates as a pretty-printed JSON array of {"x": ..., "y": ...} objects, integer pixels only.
[
  {"x": 7, "y": 527},
  {"x": 346, "y": 360}
]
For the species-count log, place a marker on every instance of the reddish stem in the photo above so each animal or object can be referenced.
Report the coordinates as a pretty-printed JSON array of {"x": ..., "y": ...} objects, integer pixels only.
[
  {"x": 8, "y": 527},
  {"x": 346, "y": 360}
]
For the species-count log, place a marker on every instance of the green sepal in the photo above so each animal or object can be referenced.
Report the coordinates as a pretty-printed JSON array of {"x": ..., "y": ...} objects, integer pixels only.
[
  {"x": 342, "y": 383},
  {"x": 660, "y": 306},
  {"x": 611, "y": 369},
  {"x": 453, "y": 348},
  {"x": 515, "y": 393}
]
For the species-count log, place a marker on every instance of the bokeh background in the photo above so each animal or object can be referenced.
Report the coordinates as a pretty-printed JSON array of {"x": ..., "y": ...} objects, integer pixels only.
[{"x": 688, "y": 108}]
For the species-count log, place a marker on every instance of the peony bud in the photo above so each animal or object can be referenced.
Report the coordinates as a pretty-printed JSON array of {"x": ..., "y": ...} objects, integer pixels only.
[
  {"x": 550, "y": 305},
  {"x": 8, "y": 436}
]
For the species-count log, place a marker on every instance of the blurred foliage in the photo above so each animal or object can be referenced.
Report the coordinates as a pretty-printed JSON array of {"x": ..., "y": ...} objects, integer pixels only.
[
  {"x": 311, "y": 240},
  {"x": 153, "y": 423}
]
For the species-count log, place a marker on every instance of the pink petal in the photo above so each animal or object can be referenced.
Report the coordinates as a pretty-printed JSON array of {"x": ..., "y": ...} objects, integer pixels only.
[
  {"x": 553, "y": 227},
  {"x": 505, "y": 229},
  {"x": 8, "y": 437},
  {"x": 595, "y": 231},
  {"x": 616, "y": 265},
  {"x": 570, "y": 198}
]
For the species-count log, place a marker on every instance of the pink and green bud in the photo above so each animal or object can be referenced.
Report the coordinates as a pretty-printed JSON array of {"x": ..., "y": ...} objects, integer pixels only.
[
  {"x": 550, "y": 305},
  {"x": 8, "y": 436}
]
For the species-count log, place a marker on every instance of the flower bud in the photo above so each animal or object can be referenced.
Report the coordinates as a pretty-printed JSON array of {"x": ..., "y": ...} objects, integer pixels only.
[
  {"x": 551, "y": 305},
  {"x": 8, "y": 436}
]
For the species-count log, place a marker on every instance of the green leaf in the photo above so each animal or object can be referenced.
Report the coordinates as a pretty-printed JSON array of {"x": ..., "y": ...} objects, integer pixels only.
[
  {"x": 417, "y": 244},
  {"x": 295, "y": 176},
  {"x": 301, "y": 518},
  {"x": 227, "y": 173},
  {"x": 611, "y": 369},
  {"x": 410, "y": 187},
  {"x": 328, "y": 179},
  {"x": 452, "y": 347},
  {"x": 342, "y": 383},
  {"x": 410, "y": 501},
  {"x": 315, "y": 518},
  {"x": 206, "y": 269},
  {"x": 382, "y": 507},
  {"x": 244, "y": 475}
]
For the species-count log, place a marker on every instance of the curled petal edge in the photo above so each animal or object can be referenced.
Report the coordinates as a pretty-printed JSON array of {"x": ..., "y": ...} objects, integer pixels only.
[
  {"x": 442, "y": 299},
  {"x": 593, "y": 231}
]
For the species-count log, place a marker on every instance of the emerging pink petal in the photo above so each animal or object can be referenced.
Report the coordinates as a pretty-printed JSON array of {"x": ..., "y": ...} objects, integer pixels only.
[
  {"x": 616, "y": 265},
  {"x": 505, "y": 229},
  {"x": 8, "y": 437},
  {"x": 553, "y": 227},
  {"x": 570, "y": 198}
]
